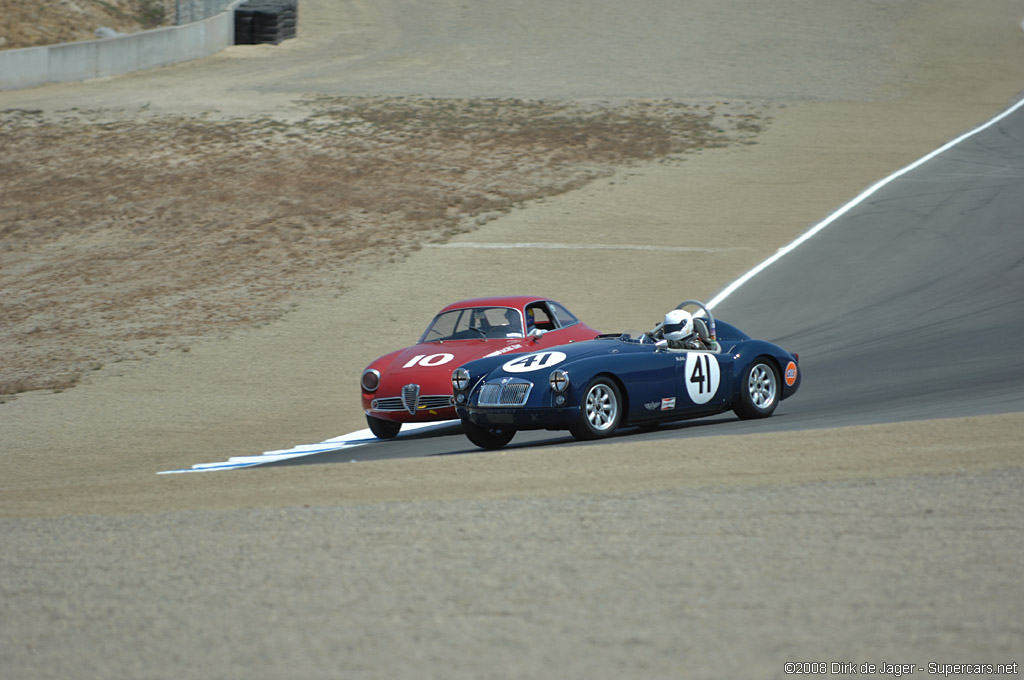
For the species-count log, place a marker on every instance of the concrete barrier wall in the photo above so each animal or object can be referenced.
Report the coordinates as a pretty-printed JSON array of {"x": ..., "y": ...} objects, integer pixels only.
[{"x": 69, "y": 62}]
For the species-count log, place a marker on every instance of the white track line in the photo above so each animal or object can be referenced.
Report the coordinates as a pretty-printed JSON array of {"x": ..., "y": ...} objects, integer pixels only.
[
  {"x": 363, "y": 437},
  {"x": 345, "y": 441},
  {"x": 855, "y": 202}
]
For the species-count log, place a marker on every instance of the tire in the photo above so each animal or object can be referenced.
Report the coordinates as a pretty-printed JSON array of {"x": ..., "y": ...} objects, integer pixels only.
[
  {"x": 487, "y": 437},
  {"x": 383, "y": 429},
  {"x": 600, "y": 410},
  {"x": 759, "y": 390}
]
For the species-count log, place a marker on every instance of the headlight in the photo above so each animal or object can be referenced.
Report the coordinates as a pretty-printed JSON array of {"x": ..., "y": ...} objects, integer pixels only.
[
  {"x": 460, "y": 379},
  {"x": 559, "y": 380},
  {"x": 371, "y": 380}
]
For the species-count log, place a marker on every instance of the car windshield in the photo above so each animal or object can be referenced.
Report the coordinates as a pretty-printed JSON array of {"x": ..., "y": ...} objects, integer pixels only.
[
  {"x": 475, "y": 322},
  {"x": 640, "y": 337}
]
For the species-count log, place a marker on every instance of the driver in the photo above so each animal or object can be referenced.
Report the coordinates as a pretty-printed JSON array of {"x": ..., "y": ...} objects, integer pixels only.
[{"x": 679, "y": 333}]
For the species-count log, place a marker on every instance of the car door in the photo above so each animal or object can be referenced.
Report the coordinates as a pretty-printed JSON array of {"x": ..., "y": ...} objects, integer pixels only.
[
  {"x": 649, "y": 375},
  {"x": 699, "y": 381}
]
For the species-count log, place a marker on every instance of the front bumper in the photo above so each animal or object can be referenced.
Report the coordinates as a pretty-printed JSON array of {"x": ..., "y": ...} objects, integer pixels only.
[{"x": 521, "y": 418}]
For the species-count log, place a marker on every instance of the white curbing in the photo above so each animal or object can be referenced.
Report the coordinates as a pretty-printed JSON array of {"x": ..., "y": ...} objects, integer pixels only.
[{"x": 340, "y": 443}]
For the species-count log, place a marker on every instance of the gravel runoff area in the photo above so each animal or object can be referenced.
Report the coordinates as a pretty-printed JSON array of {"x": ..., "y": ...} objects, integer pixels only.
[
  {"x": 704, "y": 557},
  {"x": 155, "y": 230}
]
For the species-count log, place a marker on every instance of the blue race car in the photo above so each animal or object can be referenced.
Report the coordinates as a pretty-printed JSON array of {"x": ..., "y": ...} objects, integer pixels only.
[{"x": 593, "y": 387}]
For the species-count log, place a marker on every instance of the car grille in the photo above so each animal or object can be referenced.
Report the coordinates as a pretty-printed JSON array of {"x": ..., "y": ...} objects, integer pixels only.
[
  {"x": 410, "y": 397},
  {"x": 421, "y": 403},
  {"x": 507, "y": 394}
]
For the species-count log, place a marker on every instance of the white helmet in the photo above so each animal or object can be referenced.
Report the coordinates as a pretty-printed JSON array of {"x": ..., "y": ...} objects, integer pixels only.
[{"x": 678, "y": 325}]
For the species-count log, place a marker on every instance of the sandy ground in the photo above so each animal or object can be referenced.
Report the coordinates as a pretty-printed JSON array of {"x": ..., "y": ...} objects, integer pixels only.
[
  {"x": 710, "y": 557},
  {"x": 156, "y": 229}
]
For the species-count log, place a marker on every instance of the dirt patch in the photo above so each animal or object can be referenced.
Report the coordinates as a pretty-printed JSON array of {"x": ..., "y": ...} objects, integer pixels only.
[
  {"x": 126, "y": 234},
  {"x": 31, "y": 23}
]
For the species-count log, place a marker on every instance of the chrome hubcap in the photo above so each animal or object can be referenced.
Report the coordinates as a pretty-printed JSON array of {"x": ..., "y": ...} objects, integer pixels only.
[
  {"x": 601, "y": 407},
  {"x": 762, "y": 387}
]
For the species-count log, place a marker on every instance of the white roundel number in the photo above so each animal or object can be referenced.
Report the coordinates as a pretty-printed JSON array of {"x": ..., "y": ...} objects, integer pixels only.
[
  {"x": 702, "y": 376},
  {"x": 429, "y": 360},
  {"x": 533, "y": 362}
]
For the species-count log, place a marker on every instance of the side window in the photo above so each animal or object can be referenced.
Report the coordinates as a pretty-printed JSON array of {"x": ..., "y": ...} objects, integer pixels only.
[
  {"x": 540, "y": 316},
  {"x": 563, "y": 315}
]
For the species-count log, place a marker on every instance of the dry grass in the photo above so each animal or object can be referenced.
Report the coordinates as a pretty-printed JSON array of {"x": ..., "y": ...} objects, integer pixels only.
[
  {"x": 30, "y": 23},
  {"x": 124, "y": 234}
]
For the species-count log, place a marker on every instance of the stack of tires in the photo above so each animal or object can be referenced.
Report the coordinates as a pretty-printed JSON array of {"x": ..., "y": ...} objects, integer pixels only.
[{"x": 265, "y": 21}]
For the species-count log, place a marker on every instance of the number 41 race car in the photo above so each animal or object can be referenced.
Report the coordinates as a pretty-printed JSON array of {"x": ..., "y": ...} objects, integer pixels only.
[{"x": 676, "y": 371}]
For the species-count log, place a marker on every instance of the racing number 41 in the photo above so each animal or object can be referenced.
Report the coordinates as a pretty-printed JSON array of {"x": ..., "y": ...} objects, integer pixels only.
[
  {"x": 534, "y": 362},
  {"x": 540, "y": 359},
  {"x": 702, "y": 377},
  {"x": 701, "y": 374}
]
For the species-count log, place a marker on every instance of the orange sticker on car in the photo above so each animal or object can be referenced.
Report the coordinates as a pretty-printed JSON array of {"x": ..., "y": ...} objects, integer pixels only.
[{"x": 791, "y": 373}]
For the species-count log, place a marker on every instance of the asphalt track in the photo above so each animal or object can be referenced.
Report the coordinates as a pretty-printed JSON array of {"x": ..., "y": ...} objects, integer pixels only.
[
  {"x": 909, "y": 306},
  {"x": 905, "y": 306}
]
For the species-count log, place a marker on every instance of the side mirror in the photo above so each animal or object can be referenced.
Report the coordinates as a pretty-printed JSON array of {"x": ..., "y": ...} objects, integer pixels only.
[{"x": 536, "y": 334}]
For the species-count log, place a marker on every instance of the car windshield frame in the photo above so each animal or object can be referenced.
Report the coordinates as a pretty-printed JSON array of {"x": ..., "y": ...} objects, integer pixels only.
[{"x": 475, "y": 323}]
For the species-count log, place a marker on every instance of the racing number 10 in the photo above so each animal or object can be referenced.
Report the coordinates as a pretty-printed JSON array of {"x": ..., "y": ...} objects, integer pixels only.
[{"x": 429, "y": 361}]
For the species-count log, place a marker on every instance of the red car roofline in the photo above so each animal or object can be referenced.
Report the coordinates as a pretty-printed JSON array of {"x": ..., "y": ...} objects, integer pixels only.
[{"x": 518, "y": 301}]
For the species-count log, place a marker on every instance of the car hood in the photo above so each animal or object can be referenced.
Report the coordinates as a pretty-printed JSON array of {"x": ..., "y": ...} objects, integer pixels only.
[
  {"x": 523, "y": 364},
  {"x": 432, "y": 362}
]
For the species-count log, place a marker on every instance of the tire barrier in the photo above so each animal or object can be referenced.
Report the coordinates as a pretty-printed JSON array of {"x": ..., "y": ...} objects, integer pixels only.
[{"x": 265, "y": 21}]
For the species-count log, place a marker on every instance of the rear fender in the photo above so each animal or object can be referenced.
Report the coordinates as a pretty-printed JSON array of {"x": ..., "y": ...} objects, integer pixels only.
[{"x": 745, "y": 353}]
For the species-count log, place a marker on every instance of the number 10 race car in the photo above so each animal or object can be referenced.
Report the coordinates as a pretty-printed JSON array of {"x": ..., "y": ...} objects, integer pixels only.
[{"x": 592, "y": 388}]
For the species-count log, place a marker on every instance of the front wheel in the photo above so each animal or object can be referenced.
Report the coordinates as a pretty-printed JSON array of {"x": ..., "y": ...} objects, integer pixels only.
[
  {"x": 487, "y": 437},
  {"x": 600, "y": 410},
  {"x": 383, "y": 429},
  {"x": 759, "y": 391}
]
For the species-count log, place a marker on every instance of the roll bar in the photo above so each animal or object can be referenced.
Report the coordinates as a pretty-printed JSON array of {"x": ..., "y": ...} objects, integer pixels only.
[{"x": 707, "y": 313}]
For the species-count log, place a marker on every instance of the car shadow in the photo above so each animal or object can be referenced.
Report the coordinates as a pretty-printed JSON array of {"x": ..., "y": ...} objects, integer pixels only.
[
  {"x": 449, "y": 440},
  {"x": 544, "y": 438}
]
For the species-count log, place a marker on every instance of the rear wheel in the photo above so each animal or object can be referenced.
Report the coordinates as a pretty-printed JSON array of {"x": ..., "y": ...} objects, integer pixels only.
[
  {"x": 487, "y": 437},
  {"x": 759, "y": 390},
  {"x": 383, "y": 429},
  {"x": 600, "y": 410}
]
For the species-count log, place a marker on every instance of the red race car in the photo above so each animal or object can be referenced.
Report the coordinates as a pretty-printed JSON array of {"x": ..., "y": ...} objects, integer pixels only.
[{"x": 413, "y": 385}]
